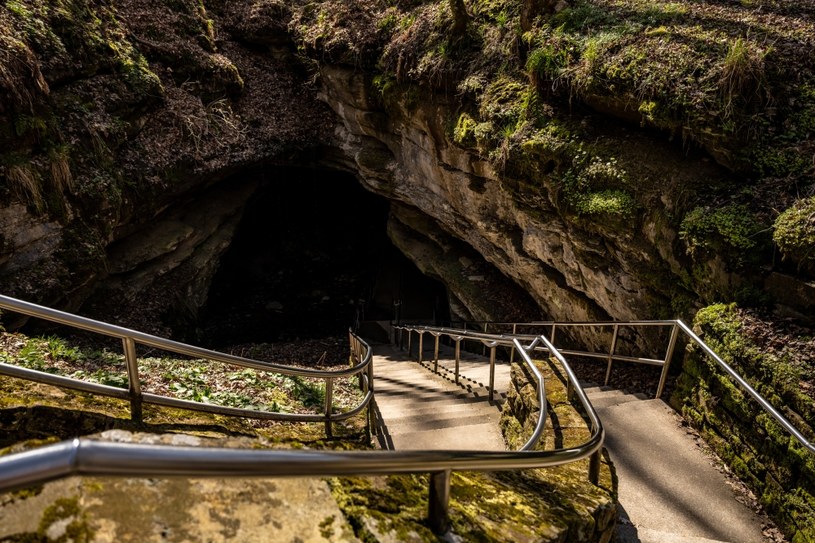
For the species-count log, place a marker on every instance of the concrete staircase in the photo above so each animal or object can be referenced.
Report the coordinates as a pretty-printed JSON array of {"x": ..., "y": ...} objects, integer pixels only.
[
  {"x": 669, "y": 488},
  {"x": 418, "y": 409}
]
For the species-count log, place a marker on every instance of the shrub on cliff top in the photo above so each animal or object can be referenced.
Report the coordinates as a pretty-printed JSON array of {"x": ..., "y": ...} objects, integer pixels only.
[{"x": 794, "y": 233}]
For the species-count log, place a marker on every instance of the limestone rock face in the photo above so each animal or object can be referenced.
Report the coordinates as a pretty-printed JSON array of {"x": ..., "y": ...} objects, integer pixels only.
[{"x": 572, "y": 269}]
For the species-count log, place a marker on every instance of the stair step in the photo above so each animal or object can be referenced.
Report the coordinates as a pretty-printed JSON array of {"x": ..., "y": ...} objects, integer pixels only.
[
  {"x": 645, "y": 535},
  {"x": 610, "y": 400},
  {"x": 604, "y": 392}
]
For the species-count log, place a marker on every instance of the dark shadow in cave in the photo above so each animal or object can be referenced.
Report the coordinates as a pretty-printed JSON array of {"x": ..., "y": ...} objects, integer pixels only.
[{"x": 310, "y": 257}]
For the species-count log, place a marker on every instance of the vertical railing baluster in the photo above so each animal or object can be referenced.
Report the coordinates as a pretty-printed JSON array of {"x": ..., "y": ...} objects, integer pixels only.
[
  {"x": 611, "y": 353},
  {"x": 439, "y": 502},
  {"x": 458, "y": 356},
  {"x": 133, "y": 383},
  {"x": 436, "y": 356},
  {"x": 594, "y": 468},
  {"x": 421, "y": 345},
  {"x": 410, "y": 342},
  {"x": 668, "y": 355},
  {"x": 552, "y": 337},
  {"x": 492, "y": 373},
  {"x": 484, "y": 348},
  {"x": 329, "y": 399},
  {"x": 512, "y": 349}
]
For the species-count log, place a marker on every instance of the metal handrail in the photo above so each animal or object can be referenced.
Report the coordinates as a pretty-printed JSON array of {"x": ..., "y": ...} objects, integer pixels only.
[
  {"x": 677, "y": 326},
  {"x": 539, "y": 343},
  {"x": 83, "y": 456},
  {"x": 131, "y": 338},
  {"x": 765, "y": 405}
]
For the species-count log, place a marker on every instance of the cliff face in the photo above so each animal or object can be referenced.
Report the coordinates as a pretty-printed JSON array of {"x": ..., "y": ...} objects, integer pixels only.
[
  {"x": 534, "y": 164},
  {"x": 573, "y": 269}
]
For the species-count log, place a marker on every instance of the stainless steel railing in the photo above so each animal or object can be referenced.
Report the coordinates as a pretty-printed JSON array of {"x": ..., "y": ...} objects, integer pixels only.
[
  {"x": 492, "y": 342},
  {"x": 83, "y": 456},
  {"x": 677, "y": 329},
  {"x": 361, "y": 356}
]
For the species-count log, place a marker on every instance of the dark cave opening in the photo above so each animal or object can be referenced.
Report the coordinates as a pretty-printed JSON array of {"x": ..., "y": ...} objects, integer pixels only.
[{"x": 310, "y": 257}]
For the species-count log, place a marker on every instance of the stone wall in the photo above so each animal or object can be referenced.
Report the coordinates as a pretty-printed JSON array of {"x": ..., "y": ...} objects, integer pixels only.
[
  {"x": 588, "y": 511},
  {"x": 779, "y": 471}
]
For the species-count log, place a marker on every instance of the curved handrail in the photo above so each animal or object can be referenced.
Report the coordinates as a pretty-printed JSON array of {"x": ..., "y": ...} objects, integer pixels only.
[
  {"x": 538, "y": 343},
  {"x": 85, "y": 456},
  {"x": 134, "y": 393}
]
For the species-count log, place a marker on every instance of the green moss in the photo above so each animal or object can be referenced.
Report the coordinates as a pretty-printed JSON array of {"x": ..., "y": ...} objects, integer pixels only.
[
  {"x": 65, "y": 521},
  {"x": 503, "y": 101},
  {"x": 794, "y": 233},
  {"x": 758, "y": 449},
  {"x": 594, "y": 186},
  {"x": 606, "y": 202},
  {"x": 464, "y": 132},
  {"x": 732, "y": 227}
]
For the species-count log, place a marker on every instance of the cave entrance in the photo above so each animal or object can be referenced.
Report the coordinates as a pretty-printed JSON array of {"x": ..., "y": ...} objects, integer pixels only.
[{"x": 310, "y": 257}]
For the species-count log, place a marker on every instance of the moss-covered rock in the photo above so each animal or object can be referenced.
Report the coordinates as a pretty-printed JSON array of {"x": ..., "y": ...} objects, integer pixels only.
[
  {"x": 756, "y": 447},
  {"x": 795, "y": 234},
  {"x": 588, "y": 512}
]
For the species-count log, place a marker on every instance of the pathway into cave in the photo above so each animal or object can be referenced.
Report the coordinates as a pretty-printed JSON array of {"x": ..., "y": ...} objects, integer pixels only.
[{"x": 310, "y": 257}]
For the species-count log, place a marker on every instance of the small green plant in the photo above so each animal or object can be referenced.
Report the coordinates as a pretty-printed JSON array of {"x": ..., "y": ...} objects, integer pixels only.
[
  {"x": 58, "y": 349},
  {"x": 32, "y": 356},
  {"x": 547, "y": 61}
]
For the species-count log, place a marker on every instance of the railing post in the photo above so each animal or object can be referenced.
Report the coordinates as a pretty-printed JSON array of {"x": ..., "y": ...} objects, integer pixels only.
[
  {"x": 484, "y": 348},
  {"x": 436, "y": 356},
  {"x": 133, "y": 384},
  {"x": 552, "y": 337},
  {"x": 439, "y": 502},
  {"x": 458, "y": 356},
  {"x": 594, "y": 468},
  {"x": 512, "y": 349},
  {"x": 611, "y": 353},
  {"x": 421, "y": 345},
  {"x": 668, "y": 355},
  {"x": 329, "y": 399},
  {"x": 410, "y": 342},
  {"x": 492, "y": 372}
]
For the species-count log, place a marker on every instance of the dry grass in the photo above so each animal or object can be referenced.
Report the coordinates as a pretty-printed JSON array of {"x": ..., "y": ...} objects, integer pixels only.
[
  {"x": 742, "y": 74},
  {"x": 61, "y": 175},
  {"x": 24, "y": 182}
]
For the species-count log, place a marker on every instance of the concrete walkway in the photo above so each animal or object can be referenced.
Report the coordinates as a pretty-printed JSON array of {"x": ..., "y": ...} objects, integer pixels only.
[
  {"x": 669, "y": 491},
  {"x": 420, "y": 410}
]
